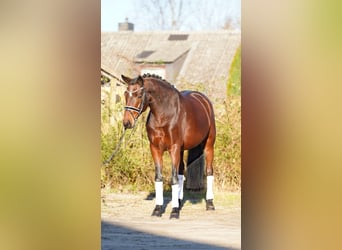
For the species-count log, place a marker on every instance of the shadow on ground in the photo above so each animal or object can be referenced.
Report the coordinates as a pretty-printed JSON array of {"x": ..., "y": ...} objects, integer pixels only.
[
  {"x": 192, "y": 196},
  {"x": 120, "y": 237}
]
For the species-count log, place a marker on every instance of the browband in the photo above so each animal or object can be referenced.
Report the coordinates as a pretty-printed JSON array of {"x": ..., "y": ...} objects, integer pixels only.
[{"x": 131, "y": 92}]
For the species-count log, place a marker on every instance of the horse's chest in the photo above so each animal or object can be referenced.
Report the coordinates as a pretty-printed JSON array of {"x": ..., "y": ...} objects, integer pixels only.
[{"x": 160, "y": 138}]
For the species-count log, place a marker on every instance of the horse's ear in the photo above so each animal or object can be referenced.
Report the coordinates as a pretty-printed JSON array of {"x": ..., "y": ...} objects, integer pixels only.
[
  {"x": 140, "y": 81},
  {"x": 126, "y": 79}
]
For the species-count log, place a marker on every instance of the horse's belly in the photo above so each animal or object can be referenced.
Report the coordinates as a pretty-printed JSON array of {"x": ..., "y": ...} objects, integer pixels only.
[{"x": 194, "y": 137}]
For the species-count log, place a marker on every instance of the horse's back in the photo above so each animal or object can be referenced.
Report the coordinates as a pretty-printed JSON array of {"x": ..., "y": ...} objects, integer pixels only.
[{"x": 199, "y": 103}]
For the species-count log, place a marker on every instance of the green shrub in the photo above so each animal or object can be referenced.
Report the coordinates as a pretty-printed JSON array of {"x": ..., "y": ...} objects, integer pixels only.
[
  {"x": 227, "y": 161},
  {"x": 228, "y": 137},
  {"x": 234, "y": 80},
  {"x": 132, "y": 167}
]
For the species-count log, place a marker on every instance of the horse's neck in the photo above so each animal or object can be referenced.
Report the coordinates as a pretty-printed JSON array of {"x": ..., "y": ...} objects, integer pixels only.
[{"x": 163, "y": 101}]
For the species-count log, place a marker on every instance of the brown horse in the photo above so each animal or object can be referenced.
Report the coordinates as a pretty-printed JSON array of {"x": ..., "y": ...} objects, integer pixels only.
[{"x": 177, "y": 121}]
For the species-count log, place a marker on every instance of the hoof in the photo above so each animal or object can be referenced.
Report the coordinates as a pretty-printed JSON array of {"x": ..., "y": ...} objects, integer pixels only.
[
  {"x": 210, "y": 205},
  {"x": 174, "y": 213},
  {"x": 158, "y": 210}
]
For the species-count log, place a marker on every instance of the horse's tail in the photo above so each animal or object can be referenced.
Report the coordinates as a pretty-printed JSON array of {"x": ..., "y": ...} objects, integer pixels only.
[{"x": 195, "y": 168}]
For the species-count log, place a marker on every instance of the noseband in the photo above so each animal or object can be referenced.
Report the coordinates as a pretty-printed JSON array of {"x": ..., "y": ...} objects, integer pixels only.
[{"x": 141, "y": 106}]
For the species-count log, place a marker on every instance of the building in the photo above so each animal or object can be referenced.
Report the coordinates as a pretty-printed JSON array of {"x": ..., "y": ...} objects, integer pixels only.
[{"x": 189, "y": 60}]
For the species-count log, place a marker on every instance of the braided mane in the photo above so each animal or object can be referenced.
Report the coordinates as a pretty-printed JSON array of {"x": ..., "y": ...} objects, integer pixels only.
[{"x": 156, "y": 77}]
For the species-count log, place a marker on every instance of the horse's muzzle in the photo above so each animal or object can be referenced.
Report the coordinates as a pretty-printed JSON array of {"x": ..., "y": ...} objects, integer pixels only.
[{"x": 127, "y": 124}]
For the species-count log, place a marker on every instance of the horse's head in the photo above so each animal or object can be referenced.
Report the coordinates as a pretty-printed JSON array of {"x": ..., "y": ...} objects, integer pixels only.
[{"x": 135, "y": 96}]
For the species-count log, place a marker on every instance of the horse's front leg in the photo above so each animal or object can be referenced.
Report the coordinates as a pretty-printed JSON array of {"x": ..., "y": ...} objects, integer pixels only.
[
  {"x": 175, "y": 153},
  {"x": 157, "y": 156}
]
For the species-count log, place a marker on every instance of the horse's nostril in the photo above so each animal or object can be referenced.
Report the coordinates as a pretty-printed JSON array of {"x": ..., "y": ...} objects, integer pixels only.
[{"x": 127, "y": 124}]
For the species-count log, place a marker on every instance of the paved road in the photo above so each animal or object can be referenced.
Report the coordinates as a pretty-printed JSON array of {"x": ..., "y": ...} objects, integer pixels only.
[{"x": 127, "y": 224}]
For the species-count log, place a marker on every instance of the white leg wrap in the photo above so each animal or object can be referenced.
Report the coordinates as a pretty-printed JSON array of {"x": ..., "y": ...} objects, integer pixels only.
[
  {"x": 180, "y": 188},
  {"x": 175, "y": 195},
  {"x": 158, "y": 185},
  {"x": 210, "y": 183}
]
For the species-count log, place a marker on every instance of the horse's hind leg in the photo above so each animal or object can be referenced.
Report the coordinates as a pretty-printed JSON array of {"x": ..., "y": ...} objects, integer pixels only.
[
  {"x": 209, "y": 156},
  {"x": 181, "y": 179}
]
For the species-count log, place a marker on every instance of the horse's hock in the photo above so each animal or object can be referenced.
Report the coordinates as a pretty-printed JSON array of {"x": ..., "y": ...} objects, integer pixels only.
[{"x": 195, "y": 174}]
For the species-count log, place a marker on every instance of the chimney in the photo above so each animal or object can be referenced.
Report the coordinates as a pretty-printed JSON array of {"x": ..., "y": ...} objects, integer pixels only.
[{"x": 126, "y": 26}]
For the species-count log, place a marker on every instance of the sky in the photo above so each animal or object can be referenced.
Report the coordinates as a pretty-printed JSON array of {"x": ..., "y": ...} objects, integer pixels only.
[{"x": 116, "y": 11}]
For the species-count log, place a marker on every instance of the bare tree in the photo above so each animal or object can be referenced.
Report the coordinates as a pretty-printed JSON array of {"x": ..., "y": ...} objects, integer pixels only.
[
  {"x": 161, "y": 14},
  {"x": 231, "y": 23},
  {"x": 183, "y": 14},
  {"x": 214, "y": 14},
  {"x": 176, "y": 13}
]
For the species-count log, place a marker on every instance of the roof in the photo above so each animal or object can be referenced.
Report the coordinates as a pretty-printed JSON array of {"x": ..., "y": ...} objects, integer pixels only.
[
  {"x": 166, "y": 53},
  {"x": 208, "y": 55}
]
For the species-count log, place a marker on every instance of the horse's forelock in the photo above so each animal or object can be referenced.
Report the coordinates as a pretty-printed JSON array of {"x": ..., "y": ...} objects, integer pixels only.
[{"x": 138, "y": 80}]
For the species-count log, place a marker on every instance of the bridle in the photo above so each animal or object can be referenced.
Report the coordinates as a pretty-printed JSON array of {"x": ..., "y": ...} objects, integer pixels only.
[{"x": 139, "y": 110}]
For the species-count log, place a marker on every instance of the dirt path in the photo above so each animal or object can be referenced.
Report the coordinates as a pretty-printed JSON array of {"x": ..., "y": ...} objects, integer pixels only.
[{"x": 127, "y": 223}]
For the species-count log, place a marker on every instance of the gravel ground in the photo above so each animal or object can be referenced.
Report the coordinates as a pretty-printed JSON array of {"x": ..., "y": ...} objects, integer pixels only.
[{"x": 127, "y": 223}]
